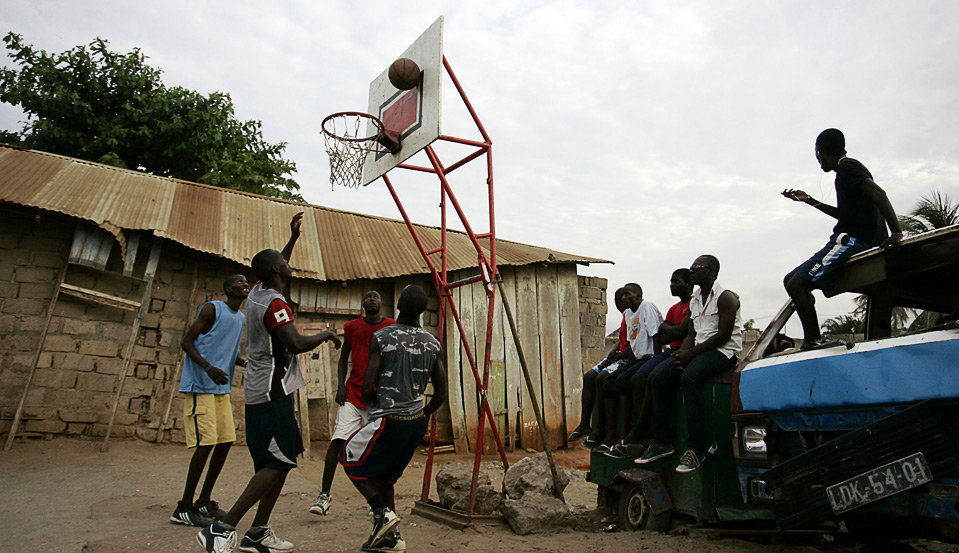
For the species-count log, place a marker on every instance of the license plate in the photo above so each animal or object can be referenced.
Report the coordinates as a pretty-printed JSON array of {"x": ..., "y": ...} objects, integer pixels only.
[{"x": 878, "y": 483}]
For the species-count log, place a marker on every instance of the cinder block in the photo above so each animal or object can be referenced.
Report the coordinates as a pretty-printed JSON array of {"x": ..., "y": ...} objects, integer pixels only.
[
  {"x": 46, "y": 378},
  {"x": 77, "y": 327},
  {"x": 69, "y": 308},
  {"x": 99, "y": 348},
  {"x": 23, "y": 306},
  {"x": 144, "y": 354},
  {"x": 599, "y": 282},
  {"x": 36, "y": 290},
  {"x": 75, "y": 429},
  {"x": 136, "y": 387},
  {"x": 144, "y": 371},
  {"x": 9, "y": 241},
  {"x": 157, "y": 305},
  {"x": 165, "y": 357},
  {"x": 104, "y": 365},
  {"x": 176, "y": 309},
  {"x": 52, "y": 426},
  {"x": 150, "y": 320},
  {"x": 149, "y": 338},
  {"x": 73, "y": 362},
  {"x": 35, "y": 242},
  {"x": 96, "y": 382},
  {"x": 34, "y": 325},
  {"x": 162, "y": 291},
  {"x": 59, "y": 343},
  {"x": 35, "y": 274},
  {"x": 15, "y": 258},
  {"x": 51, "y": 260},
  {"x": 9, "y": 289},
  {"x": 169, "y": 340},
  {"x": 78, "y": 415}
]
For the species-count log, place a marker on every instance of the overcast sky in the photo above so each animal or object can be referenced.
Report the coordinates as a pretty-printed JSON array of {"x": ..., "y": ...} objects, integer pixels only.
[{"x": 645, "y": 133}]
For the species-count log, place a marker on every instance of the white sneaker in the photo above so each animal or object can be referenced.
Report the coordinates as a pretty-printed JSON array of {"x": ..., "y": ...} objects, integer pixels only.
[
  {"x": 322, "y": 505},
  {"x": 217, "y": 538},
  {"x": 384, "y": 520},
  {"x": 262, "y": 540}
]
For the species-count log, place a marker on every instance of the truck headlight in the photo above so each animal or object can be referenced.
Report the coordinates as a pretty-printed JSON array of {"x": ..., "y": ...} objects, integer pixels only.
[{"x": 754, "y": 439}]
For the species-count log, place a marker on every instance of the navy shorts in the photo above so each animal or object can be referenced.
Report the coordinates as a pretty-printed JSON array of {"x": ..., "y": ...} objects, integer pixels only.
[
  {"x": 617, "y": 384},
  {"x": 272, "y": 435},
  {"x": 381, "y": 450},
  {"x": 821, "y": 269}
]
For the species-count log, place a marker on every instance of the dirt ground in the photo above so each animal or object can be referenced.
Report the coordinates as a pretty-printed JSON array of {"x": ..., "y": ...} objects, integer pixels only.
[{"x": 64, "y": 495}]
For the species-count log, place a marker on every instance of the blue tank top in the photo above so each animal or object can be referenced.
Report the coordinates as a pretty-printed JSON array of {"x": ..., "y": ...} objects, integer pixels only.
[{"x": 219, "y": 347}]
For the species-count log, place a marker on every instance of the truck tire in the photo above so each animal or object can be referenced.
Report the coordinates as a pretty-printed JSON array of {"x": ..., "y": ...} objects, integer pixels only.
[{"x": 635, "y": 512}]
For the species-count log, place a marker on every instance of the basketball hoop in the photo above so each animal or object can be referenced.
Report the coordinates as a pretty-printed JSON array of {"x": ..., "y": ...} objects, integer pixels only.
[{"x": 347, "y": 144}]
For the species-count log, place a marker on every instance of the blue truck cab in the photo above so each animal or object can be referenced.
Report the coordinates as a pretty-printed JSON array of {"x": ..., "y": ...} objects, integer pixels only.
[{"x": 861, "y": 431}]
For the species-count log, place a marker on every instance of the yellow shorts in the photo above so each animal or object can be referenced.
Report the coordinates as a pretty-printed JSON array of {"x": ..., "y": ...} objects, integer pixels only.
[{"x": 208, "y": 419}]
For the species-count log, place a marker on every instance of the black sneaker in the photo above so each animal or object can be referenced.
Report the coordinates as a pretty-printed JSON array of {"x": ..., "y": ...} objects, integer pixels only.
[
  {"x": 393, "y": 543},
  {"x": 218, "y": 538},
  {"x": 384, "y": 520},
  {"x": 188, "y": 515},
  {"x": 210, "y": 509}
]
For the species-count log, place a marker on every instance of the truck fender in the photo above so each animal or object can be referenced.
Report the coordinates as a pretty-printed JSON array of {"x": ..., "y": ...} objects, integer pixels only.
[{"x": 654, "y": 488}]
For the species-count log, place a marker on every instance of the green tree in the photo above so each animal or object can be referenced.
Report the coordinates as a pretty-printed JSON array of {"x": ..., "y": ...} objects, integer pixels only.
[
  {"x": 95, "y": 104},
  {"x": 843, "y": 324},
  {"x": 934, "y": 211}
]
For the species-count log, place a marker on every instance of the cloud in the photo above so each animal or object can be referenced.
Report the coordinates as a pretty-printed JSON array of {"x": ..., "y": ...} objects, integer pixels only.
[{"x": 644, "y": 132}]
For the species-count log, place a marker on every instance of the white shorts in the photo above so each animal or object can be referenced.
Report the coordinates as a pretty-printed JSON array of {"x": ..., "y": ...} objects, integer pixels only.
[
  {"x": 349, "y": 419},
  {"x": 613, "y": 367}
]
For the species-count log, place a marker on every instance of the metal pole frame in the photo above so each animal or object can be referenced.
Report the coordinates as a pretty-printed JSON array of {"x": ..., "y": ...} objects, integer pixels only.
[{"x": 488, "y": 275}]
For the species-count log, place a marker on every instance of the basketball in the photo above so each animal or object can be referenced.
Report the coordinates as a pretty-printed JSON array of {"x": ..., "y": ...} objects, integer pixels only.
[{"x": 404, "y": 74}]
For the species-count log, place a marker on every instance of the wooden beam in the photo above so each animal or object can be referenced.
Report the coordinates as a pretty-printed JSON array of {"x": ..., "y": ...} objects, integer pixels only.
[
  {"x": 179, "y": 358},
  {"x": 100, "y": 298},
  {"x": 36, "y": 357},
  {"x": 134, "y": 332}
]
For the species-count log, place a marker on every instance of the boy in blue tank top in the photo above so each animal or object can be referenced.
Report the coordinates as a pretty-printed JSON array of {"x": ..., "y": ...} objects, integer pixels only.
[{"x": 212, "y": 346}]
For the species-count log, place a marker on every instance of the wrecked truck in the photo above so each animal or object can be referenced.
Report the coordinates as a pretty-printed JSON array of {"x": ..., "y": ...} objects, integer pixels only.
[{"x": 864, "y": 431}]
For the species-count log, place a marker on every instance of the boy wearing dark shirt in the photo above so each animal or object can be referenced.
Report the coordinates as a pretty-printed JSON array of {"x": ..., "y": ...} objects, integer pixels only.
[{"x": 862, "y": 212}]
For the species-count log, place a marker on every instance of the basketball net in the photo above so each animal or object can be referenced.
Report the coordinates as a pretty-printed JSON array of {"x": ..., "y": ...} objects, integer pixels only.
[{"x": 347, "y": 144}]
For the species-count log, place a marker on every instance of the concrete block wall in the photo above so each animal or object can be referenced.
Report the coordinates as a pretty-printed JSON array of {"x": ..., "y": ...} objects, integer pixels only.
[
  {"x": 592, "y": 319},
  {"x": 77, "y": 375}
]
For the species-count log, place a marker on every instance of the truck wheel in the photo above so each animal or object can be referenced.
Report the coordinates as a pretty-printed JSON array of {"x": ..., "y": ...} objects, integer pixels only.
[{"x": 635, "y": 512}]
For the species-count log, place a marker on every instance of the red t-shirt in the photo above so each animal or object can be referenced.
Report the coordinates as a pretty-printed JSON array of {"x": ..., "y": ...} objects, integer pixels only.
[
  {"x": 623, "y": 339},
  {"x": 358, "y": 333},
  {"x": 676, "y": 315}
]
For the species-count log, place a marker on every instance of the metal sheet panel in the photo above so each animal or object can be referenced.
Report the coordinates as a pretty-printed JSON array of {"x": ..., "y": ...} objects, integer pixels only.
[{"x": 334, "y": 245}]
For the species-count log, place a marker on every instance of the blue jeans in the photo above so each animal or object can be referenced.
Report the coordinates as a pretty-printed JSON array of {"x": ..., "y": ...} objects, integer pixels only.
[{"x": 664, "y": 382}]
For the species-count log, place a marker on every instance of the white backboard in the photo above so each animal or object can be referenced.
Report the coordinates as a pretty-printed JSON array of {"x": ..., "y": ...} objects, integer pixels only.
[{"x": 414, "y": 113}]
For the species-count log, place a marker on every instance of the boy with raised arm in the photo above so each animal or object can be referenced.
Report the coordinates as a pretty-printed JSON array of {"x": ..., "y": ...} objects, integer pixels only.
[{"x": 272, "y": 376}]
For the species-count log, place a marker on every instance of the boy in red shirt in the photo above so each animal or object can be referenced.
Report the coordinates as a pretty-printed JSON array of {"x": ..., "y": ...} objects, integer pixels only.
[{"x": 352, "y": 414}]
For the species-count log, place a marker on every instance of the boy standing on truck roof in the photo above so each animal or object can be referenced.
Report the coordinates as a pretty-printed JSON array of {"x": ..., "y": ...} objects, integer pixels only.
[{"x": 862, "y": 212}]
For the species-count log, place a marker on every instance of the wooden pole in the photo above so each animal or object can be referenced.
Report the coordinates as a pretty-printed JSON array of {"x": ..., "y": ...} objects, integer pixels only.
[
  {"x": 532, "y": 393},
  {"x": 36, "y": 358},
  {"x": 135, "y": 331},
  {"x": 179, "y": 358}
]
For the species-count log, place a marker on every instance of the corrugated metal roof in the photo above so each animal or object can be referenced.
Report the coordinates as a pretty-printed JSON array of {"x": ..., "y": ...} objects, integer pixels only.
[{"x": 340, "y": 245}]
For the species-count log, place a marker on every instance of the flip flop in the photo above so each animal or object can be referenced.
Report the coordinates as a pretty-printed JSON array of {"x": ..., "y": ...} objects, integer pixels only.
[
  {"x": 589, "y": 444},
  {"x": 616, "y": 452},
  {"x": 601, "y": 448},
  {"x": 576, "y": 435}
]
